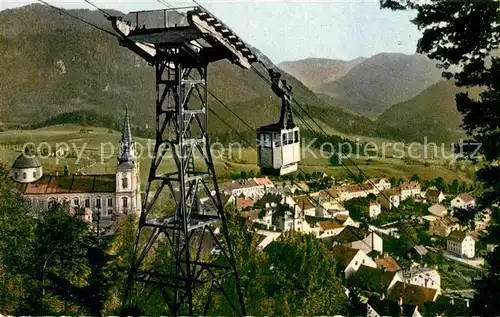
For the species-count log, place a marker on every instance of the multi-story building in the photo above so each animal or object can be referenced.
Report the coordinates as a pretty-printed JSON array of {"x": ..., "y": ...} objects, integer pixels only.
[
  {"x": 461, "y": 243},
  {"x": 410, "y": 190},
  {"x": 109, "y": 194}
]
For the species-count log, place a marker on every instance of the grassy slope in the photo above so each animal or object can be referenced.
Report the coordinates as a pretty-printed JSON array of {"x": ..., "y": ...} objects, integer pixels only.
[
  {"x": 432, "y": 113},
  {"x": 11, "y": 141}
]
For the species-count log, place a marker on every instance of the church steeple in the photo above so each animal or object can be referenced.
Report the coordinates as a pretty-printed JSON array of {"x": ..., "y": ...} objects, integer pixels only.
[{"x": 126, "y": 153}]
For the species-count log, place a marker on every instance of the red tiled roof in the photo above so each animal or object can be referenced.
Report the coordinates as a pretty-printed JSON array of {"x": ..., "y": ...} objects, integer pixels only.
[
  {"x": 303, "y": 202},
  {"x": 410, "y": 185},
  {"x": 244, "y": 202},
  {"x": 356, "y": 188},
  {"x": 240, "y": 184},
  {"x": 412, "y": 294},
  {"x": 390, "y": 192},
  {"x": 328, "y": 225},
  {"x": 263, "y": 181},
  {"x": 251, "y": 215},
  {"x": 388, "y": 263},
  {"x": 70, "y": 185},
  {"x": 466, "y": 198}
]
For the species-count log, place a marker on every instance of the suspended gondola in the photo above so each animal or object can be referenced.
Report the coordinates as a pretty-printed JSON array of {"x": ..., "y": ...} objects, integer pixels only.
[{"x": 279, "y": 143}]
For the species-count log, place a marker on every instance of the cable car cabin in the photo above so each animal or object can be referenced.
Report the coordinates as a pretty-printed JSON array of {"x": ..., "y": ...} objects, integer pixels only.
[{"x": 279, "y": 149}]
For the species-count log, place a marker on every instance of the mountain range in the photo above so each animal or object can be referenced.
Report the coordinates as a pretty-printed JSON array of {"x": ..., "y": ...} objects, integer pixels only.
[
  {"x": 368, "y": 86},
  {"x": 53, "y": 65},
  {"x": 56, "y": 69}
]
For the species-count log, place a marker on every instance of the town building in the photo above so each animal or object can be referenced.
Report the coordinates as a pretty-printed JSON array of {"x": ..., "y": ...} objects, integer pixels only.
[
  {"x": 304, "y": 204},
  {"x": 410, "y": 190},
  {"x": 461, "y": 243},
  {"x": 463, "y": 201},
  {"x": 413, "y": 294},
  {"x": 438, "y": 210},
  {"x": 377, "y": 307},
  {"x": 349, "y": 259},
  {"x": 380, "y": 184},
  {"x": 442, "y": 226},
  {"x": 434, "y": 195},
  {"x": 373, "y": 279},
  {"x": 359, "y": 238},
  {"x": 110, "y": 195},
  {"x": 345, "y": 220},
  {"x": 348, "y": 192},
  {"x": 374, "y": 209},
  {"x": 389, "y": 199},
  {"x": 328, "y": 228},
  {"x": 388, "y": 263},
  {"x": 422, "y": 276},
  {"x": 252, "y": 187}
]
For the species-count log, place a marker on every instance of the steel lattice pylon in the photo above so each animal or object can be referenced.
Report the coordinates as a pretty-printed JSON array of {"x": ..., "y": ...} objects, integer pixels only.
[
  {"x": 180, "y": 44},
  {"x": 181, "y": 135}
]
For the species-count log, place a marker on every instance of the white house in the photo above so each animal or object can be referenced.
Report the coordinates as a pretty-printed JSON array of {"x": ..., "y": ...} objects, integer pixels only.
[
  {"x": 389, "y": 199},
  {"x": 409, "y": 190},
  {"x": 422, "y": 276},
  {"x": 379, "y": 183},
  {"x": 359, "y": 238},
  {"x": 303, "y": 203},
  {"x": 328, "y": 228},
  {"x": 438, "y": 210},
  {"x": 463, "y": 201},
  {"x": 350, "y": 259},
  {"x": 374, "y": 209},
  {"x": 247, "y": 187},
  {"x": 347, "y": 192},
  {"x": 461, "y": 243},
  {"x": 434, "y": 195}
]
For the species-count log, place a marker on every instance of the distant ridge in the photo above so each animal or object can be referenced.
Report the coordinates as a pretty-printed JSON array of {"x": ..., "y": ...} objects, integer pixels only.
[
  {"x": 375, "y": 83},
  {"x": 315, "y": 72}
]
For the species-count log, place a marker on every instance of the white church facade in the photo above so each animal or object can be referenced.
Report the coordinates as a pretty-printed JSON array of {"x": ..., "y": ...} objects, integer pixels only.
[{"x": 110, "y": 195}]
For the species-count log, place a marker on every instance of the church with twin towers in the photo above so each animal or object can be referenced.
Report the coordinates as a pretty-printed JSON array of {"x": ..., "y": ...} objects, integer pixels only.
[{"x": 110, "y": 195}]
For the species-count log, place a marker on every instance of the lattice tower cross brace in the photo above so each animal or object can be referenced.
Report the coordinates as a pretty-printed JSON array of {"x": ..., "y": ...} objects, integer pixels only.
[{"x": 182, "y": 135}]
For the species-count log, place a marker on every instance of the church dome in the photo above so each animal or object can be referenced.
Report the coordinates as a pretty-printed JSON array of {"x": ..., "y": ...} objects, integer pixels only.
[{"x": 23, "y": 161}]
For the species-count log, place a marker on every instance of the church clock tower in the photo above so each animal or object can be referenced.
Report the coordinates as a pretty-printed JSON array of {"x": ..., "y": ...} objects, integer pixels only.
[{"x": 128, "y": 194}]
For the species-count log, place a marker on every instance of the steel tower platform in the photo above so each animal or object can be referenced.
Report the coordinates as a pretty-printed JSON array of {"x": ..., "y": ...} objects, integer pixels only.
[{"x": 180, "y": 44}]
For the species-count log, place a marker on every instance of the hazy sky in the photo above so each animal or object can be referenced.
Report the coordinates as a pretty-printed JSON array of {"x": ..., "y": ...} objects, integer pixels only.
[{"x": 291, "y": 30}]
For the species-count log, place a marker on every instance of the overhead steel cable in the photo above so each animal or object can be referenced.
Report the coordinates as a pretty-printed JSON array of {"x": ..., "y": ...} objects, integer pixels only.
[
  {"x": 325, "y": 134},
  {"x": 106, "y": 14},
  {"x": 215, "y": 97},
  {"x": 78, "y": 18}
]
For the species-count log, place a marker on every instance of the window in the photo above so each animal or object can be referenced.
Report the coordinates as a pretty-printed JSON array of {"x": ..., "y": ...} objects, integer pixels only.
[
  {"x": 124, "y": 181},
  {"x": 87, "y": 202},
  {"x": 110, "y": 212},
  {"x": 98, "y": 203},
  {"x": 34, "y": 174},
  {"x": 76, "y": 201},
  {"x": 363, "y": 262},
  {"x": 125, "y": 202},
  {"x": 265, "y": 140},
  {"x": 296, "y": 139},
  {"x": 356, "y": 263},
  {"x": 24, "y": 175},
  {"x": 15, "y": 175},
  {"x": 110, "y": 202}
]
